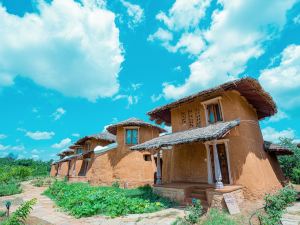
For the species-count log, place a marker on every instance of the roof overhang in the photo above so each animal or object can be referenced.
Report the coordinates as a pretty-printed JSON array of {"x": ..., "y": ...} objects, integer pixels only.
[
  {"x": 209, "y": 133},
  {"x": 277, "y": 149}
]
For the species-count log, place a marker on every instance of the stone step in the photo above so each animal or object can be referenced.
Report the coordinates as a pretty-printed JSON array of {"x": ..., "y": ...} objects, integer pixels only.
[{"x": 189, "y": 201}]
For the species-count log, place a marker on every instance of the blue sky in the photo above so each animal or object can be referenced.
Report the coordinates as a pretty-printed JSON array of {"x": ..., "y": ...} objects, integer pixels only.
[{"x": 68, "y": 68}]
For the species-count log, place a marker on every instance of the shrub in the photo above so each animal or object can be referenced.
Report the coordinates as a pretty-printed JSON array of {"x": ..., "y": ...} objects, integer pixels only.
[
  {"x": 10, "y": 188},
  {"x": 20, "y": 215},
  {"x": 2, "y": 213},
  {"x": 116, "y": 184},
  {"x": 39, "y": 182},
  {"x": 296, "y": 175},
  {"x": 82, "y": 200},
  {"x": 216, "y": 217},
  {"x": 276, "y": 204},
  {"x": 193, "y": 214}
]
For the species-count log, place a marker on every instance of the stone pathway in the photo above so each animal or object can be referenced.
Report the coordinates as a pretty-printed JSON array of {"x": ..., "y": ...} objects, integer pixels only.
[
  {"x": 292, "y": 215},
  {"x": 46, "y": 213}
]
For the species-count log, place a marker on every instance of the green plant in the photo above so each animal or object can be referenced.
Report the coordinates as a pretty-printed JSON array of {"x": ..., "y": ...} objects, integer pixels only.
[
  {"x": 193, "y": 214},
  {"x": 216, "y": 217},
  {"x": 2, "y": 213},
  {"x": 20, "y": 215},
  {"x": 82, "y": 200},
  {"x": 39, "y": 182},
  {"x": 296, "y": 175},
  {"x": 116, "y": 184},
  {"x": 276, "y": 204},
  {"x": 10, "y": 188}
]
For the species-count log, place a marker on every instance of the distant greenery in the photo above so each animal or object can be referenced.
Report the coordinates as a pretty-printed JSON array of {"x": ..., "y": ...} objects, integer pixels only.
[
  {"x": 290, "y": 164},
  {"x": 21, "y": 214},
  {"x": 276, "y": 204},
  {"x": 42, "y": 181},
  {"x": 13, "y": 171},
  {"x": 83, "y": 200}
]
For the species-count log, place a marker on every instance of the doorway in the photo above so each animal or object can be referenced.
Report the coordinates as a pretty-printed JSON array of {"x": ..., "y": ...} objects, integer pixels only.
[{"x": 223, "y": 163}]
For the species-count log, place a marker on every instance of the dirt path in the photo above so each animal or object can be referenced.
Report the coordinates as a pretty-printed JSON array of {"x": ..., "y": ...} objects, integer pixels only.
[{"x": 46, "y": 213}]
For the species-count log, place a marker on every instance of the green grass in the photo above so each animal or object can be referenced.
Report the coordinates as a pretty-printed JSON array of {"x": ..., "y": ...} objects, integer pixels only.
[
  {"x": 83, "y": 200},
  {"x": 215, "y": 217},
  {"x": 10, "y": 188}
]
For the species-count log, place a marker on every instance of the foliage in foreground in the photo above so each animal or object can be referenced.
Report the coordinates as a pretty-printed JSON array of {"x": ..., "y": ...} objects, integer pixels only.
[
  {"x": 21, "y": 214},
  {"x": 42, "y": 181},
  {"x": 290, "y": 164},
  {"x": 82, "y": 200},
  {"x": 276, "y": 204},
  {"x": 192, "y": 214},
  {"x": 10, "y": 188},
  {"x": 216, "y": 217}
]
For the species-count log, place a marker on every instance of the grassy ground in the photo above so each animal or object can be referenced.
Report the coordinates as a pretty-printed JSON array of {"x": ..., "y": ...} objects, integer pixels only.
[{"x": 83, "y": 200}]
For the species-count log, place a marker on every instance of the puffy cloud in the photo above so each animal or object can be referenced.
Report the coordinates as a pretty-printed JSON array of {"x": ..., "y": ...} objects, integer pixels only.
[
  {"x": 155, "y": 98},
  {"x": 40, "y": 135},
  {"x": 273, "y": 135},
  {"x": 229, "y": 42},
  {"x": 76, "y": 135},
  {"x": 135, "y": 12},
  {"x": 62, "y": 144},
  {"x": 59, "y": 112},
  {"x": 283, "y": 81},
  {"x": 67, "y": 46}
]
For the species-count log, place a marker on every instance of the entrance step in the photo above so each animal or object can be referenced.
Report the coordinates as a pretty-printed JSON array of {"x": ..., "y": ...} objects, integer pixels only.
[{"x": 197, "y": 192}]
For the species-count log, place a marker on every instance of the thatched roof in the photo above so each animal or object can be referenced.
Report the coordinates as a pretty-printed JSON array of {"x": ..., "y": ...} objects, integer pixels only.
[
  {"x": 211, "y": 132},
  {"x": 104, "y": 136},
  {"x": 132, "y": 122},
  {"x": 75, "y": 146},
  {"x": 247, "y": 87},
  {"x": 277, "y": 149}
]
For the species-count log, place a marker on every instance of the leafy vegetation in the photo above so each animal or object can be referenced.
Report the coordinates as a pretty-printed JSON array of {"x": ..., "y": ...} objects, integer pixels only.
[
  {"x": 290, "y": 164},
  {"x": 216, "y": 217},
  {"x": 20, "y": 215},
  {"x": 193, "y": 214},
  {"x": 42, "y": 181},
  {"x": 83, "y": 200},
  {"x": 13, "y": 171},
  {"x": 276, "y": 204}
]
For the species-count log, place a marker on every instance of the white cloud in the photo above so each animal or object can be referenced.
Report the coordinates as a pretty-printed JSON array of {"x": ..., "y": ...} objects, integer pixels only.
[
  {"x": 231, "y": 39},
  {"x": 283, "y": 81},
  {"x": 35, "y": 157},
  {"x": 131, "y": 99},
  {"x": 14, "y": 148},
  {"x": 270, "y": 134},
  {"x": 280, "y": 115},
  {"x": 136, "y": 86},
  {"x": 40, "y": 135},
  {"x": 135, "y": 12},
  {"x": 296, "y": 19},
  {"x": 161, "y": 35},
  {"x": 62, "y": 144},
  {"x": 155, "y": 98},
  {"x": 178, "y": 68},
  {"x": 59, "y": 112},
  {"x": 76, "y": 135},
  {"x": 3, "y": 136},
  {"x": 35, "y": 151},
  {"x": 69, "y": 47}
]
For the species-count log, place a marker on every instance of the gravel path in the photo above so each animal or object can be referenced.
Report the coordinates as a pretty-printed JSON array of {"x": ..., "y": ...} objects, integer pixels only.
[
  {"x": 46, "y": 213},
  {"x": 292, "y": 215}
]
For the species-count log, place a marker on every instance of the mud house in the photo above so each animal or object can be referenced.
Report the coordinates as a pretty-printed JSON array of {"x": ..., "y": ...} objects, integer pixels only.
[
  {"x": 106, "y": 158},
  {"x": 216, "y": 145}
]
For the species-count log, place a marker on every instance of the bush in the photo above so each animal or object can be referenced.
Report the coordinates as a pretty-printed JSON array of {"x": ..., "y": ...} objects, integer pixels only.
[
  {"x": 276, "y": 204},
  {"x": 296, "y": 175},
  {"x": 193, "y": 214},
  {"x": 10, "y": 188},
  {"x": 82, "y": 200},
  {"x": 21, "y": 214},
  {"x": 39, "y": 182},
  {"x": 215, "y": 217}
]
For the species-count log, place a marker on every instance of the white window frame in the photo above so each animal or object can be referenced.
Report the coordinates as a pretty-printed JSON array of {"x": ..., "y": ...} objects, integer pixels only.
[
  {"x": 217, "y": 100},
  {"x": 132, "y": 128},
  {"x": 209, "y": 167}
]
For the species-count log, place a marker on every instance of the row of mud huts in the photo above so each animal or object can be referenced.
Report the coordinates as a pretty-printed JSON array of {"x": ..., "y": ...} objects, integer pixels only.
[{"x": 215, "y": 147}]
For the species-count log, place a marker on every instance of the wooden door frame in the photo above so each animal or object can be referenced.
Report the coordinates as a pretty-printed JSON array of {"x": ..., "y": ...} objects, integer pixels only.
[{"x": 208, "y": 159}]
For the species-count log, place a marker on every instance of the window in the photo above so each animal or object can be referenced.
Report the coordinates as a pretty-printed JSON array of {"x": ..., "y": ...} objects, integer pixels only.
[
  {"x": 79, "y": 150},
  {"x": 191, "y": 118},
  {"x": 131, "y": 136},
  {"x": 147, "y": 157},
  {"x": 198, "y": 117},
  {"x": 214, "y": 113}
]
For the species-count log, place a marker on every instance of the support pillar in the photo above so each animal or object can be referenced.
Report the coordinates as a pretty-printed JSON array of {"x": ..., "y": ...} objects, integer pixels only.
[
  {"x": 158, "y": 173},
  {"x": 218, "y": 174}
]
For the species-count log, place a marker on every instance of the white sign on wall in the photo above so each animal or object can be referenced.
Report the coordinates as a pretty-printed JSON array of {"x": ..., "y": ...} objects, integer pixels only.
[{"x": 231, "y": 203}]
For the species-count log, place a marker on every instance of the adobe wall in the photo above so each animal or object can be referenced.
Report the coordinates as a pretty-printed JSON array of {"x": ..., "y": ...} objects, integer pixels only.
[
  {"x": 250, "y": 165},
  {"x": 122, "y": 164},
  {"x": 53, "y": 170},
  {"x": 63, "y": 169}
]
